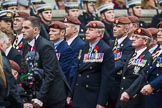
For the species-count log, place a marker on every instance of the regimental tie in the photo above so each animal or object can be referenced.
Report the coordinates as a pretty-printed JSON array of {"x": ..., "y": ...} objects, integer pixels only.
[
  {"x": 155, "y": 55},
  {"x": 132, "y": 59},
  {"x": 15, "y": 42},
  {"x": 115, "y": 48}
]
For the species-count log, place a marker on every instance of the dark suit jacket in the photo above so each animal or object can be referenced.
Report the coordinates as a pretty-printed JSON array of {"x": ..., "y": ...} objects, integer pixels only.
[
  {"x": 133, "y": 83},
  {"x": 93, "y": 80},
  {"x": 13, "y": 97},
  {"x": 54, "y": 86},
  {"x": 155, "y": 80},
  {"x": 14, "y": 55},
  {"x": 76, "y": 46},
  {"x": 66, "y": 57},
  {"x": 126, "y": 49}
]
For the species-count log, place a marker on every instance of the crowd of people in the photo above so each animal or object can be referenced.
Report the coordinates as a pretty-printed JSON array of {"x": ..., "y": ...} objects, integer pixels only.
[{"x": 86, "y": 60}]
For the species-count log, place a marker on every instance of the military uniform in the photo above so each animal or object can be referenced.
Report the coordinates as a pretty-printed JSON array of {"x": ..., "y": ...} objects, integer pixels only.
[
  {"x": 94, "y": 76},
  {"x": 134, "y": 76},
  {"x": 108, "y": 35},
  {"x": 122, "y": 48},
  {"x": 44, "y": 27}
]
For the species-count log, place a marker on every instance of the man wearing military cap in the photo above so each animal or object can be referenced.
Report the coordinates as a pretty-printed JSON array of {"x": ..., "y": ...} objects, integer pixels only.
[
  {"x": 64, "y": 52},
  {"x": 88, "y": 15},
  {"x": 133, "y": 25},
  {"x": 73, "y": 39},
  {"x": 107, "y": 17},
  {"x": 17, "y": 27},
  {"x": 134, "y": 8},
  {"x": 36, "y": 4},
  {"x": 122, "y": 48},
  {"x": 134, "y": 73},
  {"x": 24, "y": 5},
  {"x": 72, "y": 8},
  {"x": 10, "y": 5},
  {"x": 45, "y": 14},
  {"x": 94, "y": 76},
  {"x": 153, "y": 87},
  {"x": 6, "y": 18}
]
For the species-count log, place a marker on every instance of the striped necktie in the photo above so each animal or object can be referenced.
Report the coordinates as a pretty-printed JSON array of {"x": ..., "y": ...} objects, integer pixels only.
[
  {"x": 15, "y": 42},
  {"x": 132, "y": 59},
  {"x": 155, "y": 55},
  {"x": 115, "y": 46}
]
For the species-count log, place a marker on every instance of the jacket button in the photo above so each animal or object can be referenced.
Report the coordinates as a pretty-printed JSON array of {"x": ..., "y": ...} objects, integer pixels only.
[
  {"x": 77, "y": 84},
  {"x": 90, "y": 67},
  {"x": 150, "y": 67},
  {"x": 79, "y": 75},
  {"x": 123, "y": 77},
  {"x": 122, "y": 88},
  {"x": 87, "y": 76},
  {"x": 157, "y": 75},
  {"x": 87, "y": 86}
]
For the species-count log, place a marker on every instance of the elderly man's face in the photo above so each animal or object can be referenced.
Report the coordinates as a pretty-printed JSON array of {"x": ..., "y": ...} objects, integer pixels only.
[{"x": 92, "y": 35}]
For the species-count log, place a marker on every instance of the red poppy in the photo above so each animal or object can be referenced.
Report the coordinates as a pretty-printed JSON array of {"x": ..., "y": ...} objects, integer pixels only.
[
  {"x": 141, "y": 57},
  {"x": 96, "y": 48},
  {"x": 20, "y": 45}
]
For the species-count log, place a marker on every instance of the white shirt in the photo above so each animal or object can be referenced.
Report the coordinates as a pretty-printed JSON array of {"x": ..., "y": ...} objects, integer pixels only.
[
  {"x": 32, "y": 43},
  {"x": 8, "y": 50},
  {"x": 152, "y": 49},
  {"x": 71, "y": 40},
  {"x": 139, "y": 52},
  {"x": 20, "y": 36},
  {"x": 121, "y": 40}
]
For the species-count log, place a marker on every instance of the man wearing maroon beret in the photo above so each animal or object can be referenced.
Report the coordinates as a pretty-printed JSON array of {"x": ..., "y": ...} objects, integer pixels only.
[
  {"x": 134, "y": 73},
  {"x": 153, "y": 88},
  {"x": 64, "y": 52},
  {"x": 93, "y": 80},
  {"x": 122, "y": 48},
  {"x": 17, "y": 27},
  {"x": 73, "y": 40}
]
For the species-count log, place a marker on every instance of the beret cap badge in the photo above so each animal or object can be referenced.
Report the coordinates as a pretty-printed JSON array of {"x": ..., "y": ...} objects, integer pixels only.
[
  {"x": 139, "y": 30},
  {"x": 94, "y": 25},
  {"x": 117, "y": 21},
  {"x": 8, "y": 14}
]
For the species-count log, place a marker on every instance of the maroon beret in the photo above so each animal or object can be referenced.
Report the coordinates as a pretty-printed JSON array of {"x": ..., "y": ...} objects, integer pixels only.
[
  {"x": 72, "y": 19},
  {"x": 14, "y": 65},
  {"x": 122, "y": 20},
  {"x": 133, "y": 19},
  {"x": 159, "y": 24},
  {"x": 95, "y": 24},
  {"x": 153, "y": 31},
  {"x": 142, "y": 31},
  {"x": 57, "y": 25},
  {"x": 21, "y": 14}
]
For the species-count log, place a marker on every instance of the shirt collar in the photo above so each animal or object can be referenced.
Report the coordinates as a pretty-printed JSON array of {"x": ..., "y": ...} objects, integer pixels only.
[
  {"x": 71, "y": 40},
  {"x": 20, "y": 37},
  {"x": 139, "y": 52},
  {"x": 57, "y": 43},
  {"x": 153, "y": 49},
  {"x": 8, "y": 50},
  {"x": 33, "y": 41},
  {"x": 93, "y": 45},
  {"x": 121, "y": 40}
]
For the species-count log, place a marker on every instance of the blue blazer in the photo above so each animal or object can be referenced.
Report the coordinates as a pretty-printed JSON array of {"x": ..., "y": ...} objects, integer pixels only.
[
  {"x": 66, "y": 57},
  {"x": 76, "y": 46}
]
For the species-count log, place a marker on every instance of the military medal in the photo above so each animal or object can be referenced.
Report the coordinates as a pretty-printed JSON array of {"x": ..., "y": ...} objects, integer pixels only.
[{"x": 136, "y": 70}]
